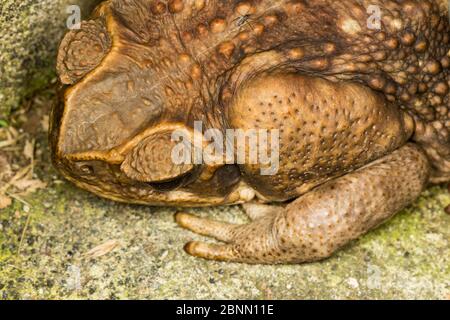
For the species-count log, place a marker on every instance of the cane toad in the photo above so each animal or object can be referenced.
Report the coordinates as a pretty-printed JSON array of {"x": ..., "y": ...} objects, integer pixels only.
[{"x": 357, "y": 91}]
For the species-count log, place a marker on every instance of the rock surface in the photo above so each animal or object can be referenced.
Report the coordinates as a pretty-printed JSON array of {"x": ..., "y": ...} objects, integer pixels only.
[
  {"x": 407, "y": 258},
  {"x": 31, "y": 32}
]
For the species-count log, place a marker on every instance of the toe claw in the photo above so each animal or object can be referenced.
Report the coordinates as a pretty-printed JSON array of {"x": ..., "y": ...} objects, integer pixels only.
[
  {"x": 180, "y": 218},
  {"x": 219, "y": 230},
  {"x": 210, "y": 251}
]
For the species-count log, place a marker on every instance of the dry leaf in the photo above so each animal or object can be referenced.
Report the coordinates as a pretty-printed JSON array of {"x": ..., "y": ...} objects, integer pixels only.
[
  {"x": 18, "y": 176},
  {"x": 5, "y": 168},
  {"x": 102, "y": 249},
  {"x": 5, "y": 201},
  {"x": 8, "y": 142},
  {"x": 13, "y": 132},
  {"x": 29, "y": 185},
  {"x": 45, "y": 123},
  {"x": 28, "y": 150}
]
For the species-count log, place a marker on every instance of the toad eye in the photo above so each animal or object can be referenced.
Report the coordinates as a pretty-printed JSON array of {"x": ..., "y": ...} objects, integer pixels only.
[{"x": 84, "y": 169}]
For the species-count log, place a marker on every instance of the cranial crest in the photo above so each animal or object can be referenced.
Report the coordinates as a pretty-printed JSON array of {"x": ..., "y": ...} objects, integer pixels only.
[{"x": 82, "y": 50}]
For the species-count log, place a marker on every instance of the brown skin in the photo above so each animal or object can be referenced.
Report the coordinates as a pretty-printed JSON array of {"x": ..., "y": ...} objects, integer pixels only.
[{"x": 364, "y": 115}]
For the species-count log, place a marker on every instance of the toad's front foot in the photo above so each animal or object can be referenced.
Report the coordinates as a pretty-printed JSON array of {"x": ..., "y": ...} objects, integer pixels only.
[{"x": 323, "y": 220}]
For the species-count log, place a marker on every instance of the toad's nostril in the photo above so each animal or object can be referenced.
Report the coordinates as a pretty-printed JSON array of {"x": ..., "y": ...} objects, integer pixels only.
[{"x": 82, "y": 50}]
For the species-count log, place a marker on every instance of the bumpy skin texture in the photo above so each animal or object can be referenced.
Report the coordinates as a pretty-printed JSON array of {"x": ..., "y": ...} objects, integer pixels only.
[
  {"x": 363, "y": 113},
  {"x": 315, "y": 225},
  {"x": 81, "y": 51}
]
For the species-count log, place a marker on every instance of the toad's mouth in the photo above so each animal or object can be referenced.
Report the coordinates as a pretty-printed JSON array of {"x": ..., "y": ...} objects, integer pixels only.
[
  {"x": 174, "y": 183},
  {"x": 187, "y": 190},
  {"x": 146, "y": 158}
]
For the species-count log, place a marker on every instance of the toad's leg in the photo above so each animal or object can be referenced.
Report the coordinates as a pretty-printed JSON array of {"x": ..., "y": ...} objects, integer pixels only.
[
  {"x": 257, "y": 210},
  {"x": 323, "y": 220}
]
